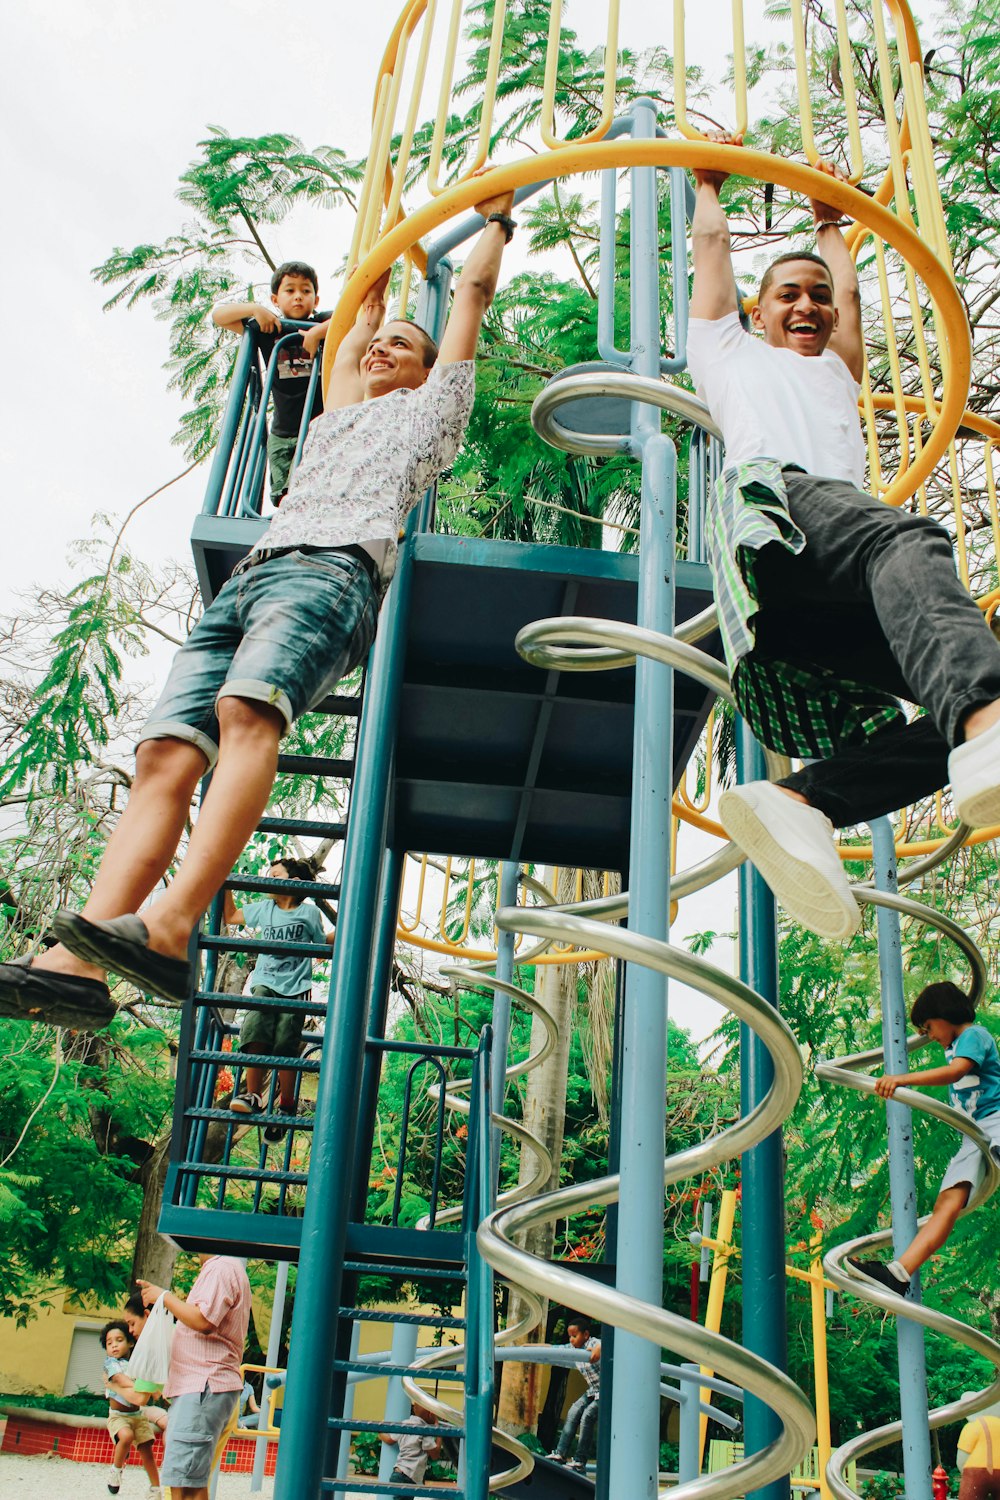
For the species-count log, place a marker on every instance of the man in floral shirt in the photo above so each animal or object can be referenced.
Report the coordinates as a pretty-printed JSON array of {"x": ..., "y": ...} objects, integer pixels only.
[{"x": 298, "y": 614}]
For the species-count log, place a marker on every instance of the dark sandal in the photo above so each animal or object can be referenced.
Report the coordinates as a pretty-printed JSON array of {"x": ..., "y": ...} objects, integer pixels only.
[
  {"x": 122, "y": 944},
  {"x": 30, "y": 994}
]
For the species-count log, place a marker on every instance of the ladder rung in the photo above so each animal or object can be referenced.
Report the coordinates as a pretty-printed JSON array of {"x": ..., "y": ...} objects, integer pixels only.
[
  {"x": 242, "y": 1174},
  {"x": 362, "y": 1485},
  {"x": 345, "y": 705},
  {"x": 372, "y": 1424},
  {"x": 234, "y": 1117},
  {"x": 349, "y": 1365},
  {"x": 315, "y": 765},
  {"x": 220, "y": 1000},
  {"x": 419, "y": 1320},
  {"x": 409, "y": 1273},
  {"x": 263, "y": 945},
  {"x": 303, "y": 828},
  {"x": 253, "y": 1059},
  {"x": 293, "y": 887}
]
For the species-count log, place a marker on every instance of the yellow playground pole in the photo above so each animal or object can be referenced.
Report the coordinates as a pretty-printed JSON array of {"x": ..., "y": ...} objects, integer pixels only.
[
  {"x": 818, "y": 1285},
  {"x": 723, "y": 1246}
]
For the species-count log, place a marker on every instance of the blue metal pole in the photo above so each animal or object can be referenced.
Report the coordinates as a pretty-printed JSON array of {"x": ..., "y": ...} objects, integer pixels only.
[
  {"x": 273, "y": 1349},
  {"x": 501, "y": 1013},
  {"x": 902, "y": 1188},
  {"x": 230, "y": 425},
  {"x": 301, "y": 1454},
  {"x": 397, "y": 1402},
  {"x": 635, "y": 1383},
  {"x": 688, "y": 1466},
  {"x": 763, "y": 1206}
]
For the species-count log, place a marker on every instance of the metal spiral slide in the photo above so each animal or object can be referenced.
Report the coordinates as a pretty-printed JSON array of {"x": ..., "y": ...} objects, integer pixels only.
[
  {"x": 583, "y": 645},
  {"x": 849, "y": 1072}
]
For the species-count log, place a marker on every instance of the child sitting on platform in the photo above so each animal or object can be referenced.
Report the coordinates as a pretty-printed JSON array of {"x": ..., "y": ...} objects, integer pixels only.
[
  {"x": 127, "y": 1423},
  {"x": 294, "y": 292},
  {"x": 972, "y": 1072},
  {"x": 298, "y": 614},
  {"x": 282, "y": 918},
  {"x": 832, "y": 605}
]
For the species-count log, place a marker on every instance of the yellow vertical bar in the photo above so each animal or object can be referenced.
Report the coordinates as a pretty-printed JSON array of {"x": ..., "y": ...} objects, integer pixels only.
[
  {"x": 409, "y": 125},
  {"x": 846, "y": 54},
  {"x": 822, "y": 1372},
  {"x": 802, "y": 81},
  {"x": 547, "y": 122},
  {"x": 716, "y": 1296},
  {"x": 443, "y": 923},
  {"x": 887, "y": 88},
  {"x": 444, "y": 99},
  {"x": 741, "y": 111},
  {"x": 371, "y": 187}
]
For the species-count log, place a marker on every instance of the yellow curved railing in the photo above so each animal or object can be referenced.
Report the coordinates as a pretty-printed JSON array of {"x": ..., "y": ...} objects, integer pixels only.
[{"x": 917, "y": 406}]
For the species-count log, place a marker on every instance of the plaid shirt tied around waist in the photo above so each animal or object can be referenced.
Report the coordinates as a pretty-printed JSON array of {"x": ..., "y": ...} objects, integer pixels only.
[{"x": 804, "y": 711}]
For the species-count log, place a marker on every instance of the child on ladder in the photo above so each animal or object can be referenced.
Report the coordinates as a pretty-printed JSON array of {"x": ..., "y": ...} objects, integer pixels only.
[
  {"x": 972, "y": 1072},
  {"x": 832, "y": 605},
  {"x": 298, "y": 614},
  {"x": 282, "y": 918}
]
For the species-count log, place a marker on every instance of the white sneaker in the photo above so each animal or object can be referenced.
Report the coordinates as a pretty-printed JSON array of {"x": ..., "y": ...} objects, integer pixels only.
[
  {"x": 114, "y": 1480},
  {"x": 974, "y": 771},
  {"x": 791, "y": 844}
]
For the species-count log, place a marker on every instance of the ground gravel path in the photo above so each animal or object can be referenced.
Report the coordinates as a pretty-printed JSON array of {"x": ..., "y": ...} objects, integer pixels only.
[{"x": 46, "y": 1477}]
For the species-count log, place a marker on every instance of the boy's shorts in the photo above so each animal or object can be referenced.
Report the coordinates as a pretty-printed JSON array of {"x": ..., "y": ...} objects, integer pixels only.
[
  {"x": 197, "y": 1421},
  {"x": 273, "y": 1033},
  {"x": 137, "y": 1422},
  {"x": 967, "y": 1164},
  {"x": 284, "y": 632},
  {"x": 280, "y": 452}
]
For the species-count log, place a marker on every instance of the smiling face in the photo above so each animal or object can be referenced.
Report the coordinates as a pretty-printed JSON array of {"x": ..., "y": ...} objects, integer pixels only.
[
  {"x": 116, "y": 1344},
  {"x": 796, "y": 309},
  {"x": 394, "y": 361},
  {"x": 296, "y": 297}
]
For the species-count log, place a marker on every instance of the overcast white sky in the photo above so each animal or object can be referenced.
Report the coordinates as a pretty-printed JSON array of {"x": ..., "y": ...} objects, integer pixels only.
[{"x": 103, "y": 106}]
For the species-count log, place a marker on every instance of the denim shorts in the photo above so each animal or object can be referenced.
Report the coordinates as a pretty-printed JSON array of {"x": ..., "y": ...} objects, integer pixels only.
[
  {"x": 197, "y": 1421},
  {"x": 283, "y": 632}
]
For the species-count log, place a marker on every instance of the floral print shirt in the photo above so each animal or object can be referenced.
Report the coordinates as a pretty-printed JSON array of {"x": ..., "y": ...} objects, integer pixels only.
[{"x": 364, "y": 467}]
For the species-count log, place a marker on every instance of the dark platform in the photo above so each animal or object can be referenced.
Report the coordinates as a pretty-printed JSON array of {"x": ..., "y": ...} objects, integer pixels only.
[
  {"x": 502, "y": 759},
  {"x": 497, "y": 758}
]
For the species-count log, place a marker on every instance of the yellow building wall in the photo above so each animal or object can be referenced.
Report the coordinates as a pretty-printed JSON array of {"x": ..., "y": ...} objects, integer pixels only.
[{"x": 34, "y": 1359}]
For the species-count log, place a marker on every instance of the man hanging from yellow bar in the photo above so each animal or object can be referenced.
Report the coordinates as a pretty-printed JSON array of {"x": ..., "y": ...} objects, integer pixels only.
[{"x": 832, "y": 605}]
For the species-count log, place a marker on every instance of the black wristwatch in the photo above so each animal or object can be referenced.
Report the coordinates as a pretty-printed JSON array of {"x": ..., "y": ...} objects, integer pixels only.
[{"x": 506, "y": 223}]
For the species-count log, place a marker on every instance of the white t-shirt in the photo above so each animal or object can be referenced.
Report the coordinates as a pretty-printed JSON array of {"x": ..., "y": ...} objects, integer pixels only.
[{"x": 773, "y": 403}]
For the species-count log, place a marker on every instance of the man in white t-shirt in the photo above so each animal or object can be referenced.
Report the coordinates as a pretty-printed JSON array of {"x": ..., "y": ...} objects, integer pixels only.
[
  {"x": 832, "y": 605},
  {"x": 298, "y": 614}
]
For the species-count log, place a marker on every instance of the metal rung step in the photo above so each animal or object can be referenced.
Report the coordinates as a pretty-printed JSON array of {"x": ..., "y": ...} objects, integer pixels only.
[
  {"x": 220, "y": 1000},
  {"x": 315, "y": 765},
  {"x": 355, "y": 1424},
  {"x": 349, "y": 1365},
  {"x": 386, "y": 1268},
  {"x": 289, "y": 887},
  {"x": 253, "y": 1059},
  {"x": 263, "y": 945},
  {"x": 343, "y": 704},
  {"x": 210, "y": 1169},
  {"x": 361, "y": 1484},
  {"x": 303, "y": 827},
  {"x": 370, "y": 1315},
  {"x": 234, "y": 1117}
]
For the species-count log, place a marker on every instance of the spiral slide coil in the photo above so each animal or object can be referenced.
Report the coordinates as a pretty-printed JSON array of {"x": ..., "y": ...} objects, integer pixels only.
[{"x": 849, "y": 1072}]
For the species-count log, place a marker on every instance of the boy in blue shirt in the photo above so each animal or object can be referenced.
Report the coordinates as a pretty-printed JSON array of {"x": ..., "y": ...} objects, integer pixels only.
[
  {"x": 283, "y": 918},
  {"x": 972, "y": 1072},
  {"x": 127, "y": 1422}
]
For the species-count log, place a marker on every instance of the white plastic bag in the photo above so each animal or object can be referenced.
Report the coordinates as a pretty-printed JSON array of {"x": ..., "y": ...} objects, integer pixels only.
[{"x": 149, "y": 1362}]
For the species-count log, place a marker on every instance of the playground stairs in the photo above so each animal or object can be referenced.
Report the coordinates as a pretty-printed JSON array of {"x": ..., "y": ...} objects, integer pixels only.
[{"x": 227, "y": 1187}]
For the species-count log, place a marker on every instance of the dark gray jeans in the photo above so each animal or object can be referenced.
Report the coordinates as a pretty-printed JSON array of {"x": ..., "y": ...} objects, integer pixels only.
[{"x": 874, "y": 597}]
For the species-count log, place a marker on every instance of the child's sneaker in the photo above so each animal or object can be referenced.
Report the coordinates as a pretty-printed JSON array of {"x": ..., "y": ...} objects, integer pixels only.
[
  {"x": 275, "y": 1131},
  {"x": 576, "y": 1466},
  {"x": 555, "y": 1457},
  {"x": 154, "y": 1492},
  {"x": 974, "y": 772},
  {"x": 114, "y": 1480},
  {"x": 874, "y": 1270},
  {"x": 791, "y": 844},
  {"x": 246, "y": 1104}
]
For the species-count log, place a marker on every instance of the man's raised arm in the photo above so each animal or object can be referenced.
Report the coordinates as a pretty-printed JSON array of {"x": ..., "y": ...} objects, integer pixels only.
[
  {"x": 346, "y": 387},
  {"x": 477, "y": 282},
  {"x": 848, "y": 338},
  {"x": 714, "y": 293}
]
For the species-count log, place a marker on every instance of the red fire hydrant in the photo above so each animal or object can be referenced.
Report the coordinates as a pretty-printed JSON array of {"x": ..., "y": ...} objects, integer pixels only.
[{"x": 939, "y": 1482}]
